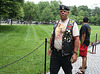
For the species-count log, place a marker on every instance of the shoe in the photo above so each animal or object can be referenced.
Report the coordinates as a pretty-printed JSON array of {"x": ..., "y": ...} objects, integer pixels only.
[
  {"x": 81, "y": 67},
  {"x": 81, "y": 72}
]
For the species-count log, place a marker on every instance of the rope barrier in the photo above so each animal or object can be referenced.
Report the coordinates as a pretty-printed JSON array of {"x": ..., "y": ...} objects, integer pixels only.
[{"x": 22, "y": 57}]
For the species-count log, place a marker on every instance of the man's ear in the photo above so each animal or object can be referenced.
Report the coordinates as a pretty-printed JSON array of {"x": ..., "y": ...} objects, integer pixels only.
[{"x": 68, "y": 12}]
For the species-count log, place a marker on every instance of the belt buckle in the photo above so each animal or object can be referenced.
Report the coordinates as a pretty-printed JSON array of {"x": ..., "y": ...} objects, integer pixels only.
[
  {"x": 66, "y": 54},
  {"x": 59, "y": 50}
]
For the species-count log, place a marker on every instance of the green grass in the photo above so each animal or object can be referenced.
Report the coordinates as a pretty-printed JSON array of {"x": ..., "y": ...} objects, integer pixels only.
[{"x": 17, "y": 41}]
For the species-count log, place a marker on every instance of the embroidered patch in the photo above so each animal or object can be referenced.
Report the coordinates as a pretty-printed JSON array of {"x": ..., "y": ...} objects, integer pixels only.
[
  {"x": 89, "y": 30},
  {"x": 69, "y": 27}
]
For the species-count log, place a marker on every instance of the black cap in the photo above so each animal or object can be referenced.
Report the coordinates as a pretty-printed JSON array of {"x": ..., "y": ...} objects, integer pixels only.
[{"x": 63, "y": 7}]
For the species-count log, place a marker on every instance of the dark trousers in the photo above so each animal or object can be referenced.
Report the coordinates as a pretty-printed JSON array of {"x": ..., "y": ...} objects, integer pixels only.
[{"x": 57, "y": 61}]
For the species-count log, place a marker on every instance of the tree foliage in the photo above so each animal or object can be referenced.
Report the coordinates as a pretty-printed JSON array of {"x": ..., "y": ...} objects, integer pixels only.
[
  {"x": 74, "y": 11},
  {"x": 46, "y": 11},
  {"x": 30, "y": 10},
  {"x": 11, "y": 8}
]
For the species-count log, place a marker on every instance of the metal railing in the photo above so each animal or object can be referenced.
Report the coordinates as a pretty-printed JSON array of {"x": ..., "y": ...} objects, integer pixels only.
[{"x": 94, "y": 42}]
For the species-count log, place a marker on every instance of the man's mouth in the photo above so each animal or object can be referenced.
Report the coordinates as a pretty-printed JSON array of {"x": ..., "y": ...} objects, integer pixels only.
[{"x": 62, "y": 14}]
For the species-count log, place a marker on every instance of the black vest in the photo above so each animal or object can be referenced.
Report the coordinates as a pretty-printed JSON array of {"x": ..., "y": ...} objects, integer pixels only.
[{"x": 67, "y": 39}]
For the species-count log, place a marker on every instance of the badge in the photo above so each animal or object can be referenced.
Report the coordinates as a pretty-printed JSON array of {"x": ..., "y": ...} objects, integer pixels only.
[
  {"x": 65, "y": 38},
  {"x": 89, "y": 30},
  {"x": 69, "y": 27},
  {"x": 68, "y": 39},
  {"x": 63, "y": 7}
]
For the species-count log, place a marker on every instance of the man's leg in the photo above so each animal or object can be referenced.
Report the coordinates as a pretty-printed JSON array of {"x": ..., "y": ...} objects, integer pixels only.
[
  {"x": 66, "y": 65},
  {"x": 54, "y": 64},
  {"x": 84, "y": 60}
]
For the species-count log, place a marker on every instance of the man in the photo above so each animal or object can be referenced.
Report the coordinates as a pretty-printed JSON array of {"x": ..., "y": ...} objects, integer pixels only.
[
  {"x": 85, "y": 40},
  {"x": 64, "y": 43}
]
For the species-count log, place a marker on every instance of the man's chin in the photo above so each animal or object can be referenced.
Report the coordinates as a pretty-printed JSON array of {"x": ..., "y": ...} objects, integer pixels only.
[{"x": 63, "y": 19}]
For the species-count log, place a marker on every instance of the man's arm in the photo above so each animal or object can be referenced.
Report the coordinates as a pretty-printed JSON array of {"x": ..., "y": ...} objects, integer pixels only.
[
  {"x": 83, "y": 38},
  {"x": 76, "y": 45},
  {"x": 49, "y": 51}
]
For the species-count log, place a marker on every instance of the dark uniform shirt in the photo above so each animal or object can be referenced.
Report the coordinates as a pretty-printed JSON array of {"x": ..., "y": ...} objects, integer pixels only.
[{"x": 85, "y": 29}]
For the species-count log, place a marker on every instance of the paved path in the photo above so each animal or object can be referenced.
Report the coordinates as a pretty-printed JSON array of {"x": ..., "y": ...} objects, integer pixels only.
[{"x": 93, "y": 63}]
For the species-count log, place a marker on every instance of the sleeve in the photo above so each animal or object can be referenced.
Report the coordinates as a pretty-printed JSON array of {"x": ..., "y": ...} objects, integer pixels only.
[{"x": 75, "y": 30}]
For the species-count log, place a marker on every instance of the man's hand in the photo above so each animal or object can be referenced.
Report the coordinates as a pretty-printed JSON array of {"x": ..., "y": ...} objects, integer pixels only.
[
  {"x": 74, "y": 58},
  {"x": 49, "y": 52},
  {"x": 76, "y": 45}
]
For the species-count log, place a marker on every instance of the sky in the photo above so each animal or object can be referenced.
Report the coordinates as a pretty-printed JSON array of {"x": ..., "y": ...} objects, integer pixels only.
[{"x": 90, "y": 3}]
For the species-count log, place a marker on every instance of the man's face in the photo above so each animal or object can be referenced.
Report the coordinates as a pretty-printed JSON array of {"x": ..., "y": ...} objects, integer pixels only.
[{"x": 63, "y": 14}]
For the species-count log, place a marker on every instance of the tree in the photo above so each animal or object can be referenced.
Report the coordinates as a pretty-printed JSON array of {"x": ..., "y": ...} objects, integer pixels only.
[
  {"x": 55, "y": 9},
  {"x": 10, "y": 8},
  {"x": 96, "y": 11},
  {"x": 98, "y": 20},
  {"x": 21, "y": 13},
  {"x": 91, "y": 19},
  {"x": 20, "y": 1},
  {"x": 84, "y": 8},
  {"x": 14, "y": 11},
  {"x": 31, "y": 11},
  {"x": 81, "y": 13},
  {"x": 42, "y": 6},
  {"x": 80, "y": 19},
  {"x": 47, "y": 14},
  {"x": 86, "y": 14},
  {"x": 74, "y": 11}
]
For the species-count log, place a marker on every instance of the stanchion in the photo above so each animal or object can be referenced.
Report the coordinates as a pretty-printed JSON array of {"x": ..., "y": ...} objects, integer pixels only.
[
  {"x": 45, "y": 55},
  {"x": 95, "y": 42}
]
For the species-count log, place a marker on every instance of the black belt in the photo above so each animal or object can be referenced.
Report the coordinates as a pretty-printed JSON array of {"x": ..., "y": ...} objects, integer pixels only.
[
  {"x": 57, "y": 50},
  {"x": 60, "y": 51}
]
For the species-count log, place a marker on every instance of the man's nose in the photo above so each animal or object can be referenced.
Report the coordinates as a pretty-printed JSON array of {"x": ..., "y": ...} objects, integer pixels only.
[{"x": 62, "y": 11}]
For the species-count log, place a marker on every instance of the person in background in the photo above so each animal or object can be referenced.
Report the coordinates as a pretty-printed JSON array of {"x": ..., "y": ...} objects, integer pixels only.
[
  {"x": 64, "y": 43},
  {"x": 85, "y": 40}
]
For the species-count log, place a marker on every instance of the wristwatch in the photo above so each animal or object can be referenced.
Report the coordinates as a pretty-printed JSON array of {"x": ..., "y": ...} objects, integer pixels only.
[{"x": 76, "y": 53}]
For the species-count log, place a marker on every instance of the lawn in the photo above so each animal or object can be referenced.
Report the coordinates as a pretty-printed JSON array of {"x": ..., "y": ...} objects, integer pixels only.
[{"x": 16, "y": 41}]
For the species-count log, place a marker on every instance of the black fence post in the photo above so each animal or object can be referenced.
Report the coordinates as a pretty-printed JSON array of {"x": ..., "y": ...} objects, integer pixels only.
[
  {"x": 95, "y": 42},
  {"x": 45, "y": 55}
]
